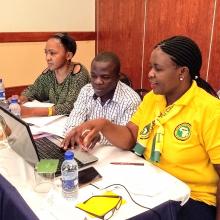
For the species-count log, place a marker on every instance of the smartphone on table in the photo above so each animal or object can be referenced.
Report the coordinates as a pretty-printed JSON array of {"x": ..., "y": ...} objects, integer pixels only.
[{"x": 88, "y": 175}]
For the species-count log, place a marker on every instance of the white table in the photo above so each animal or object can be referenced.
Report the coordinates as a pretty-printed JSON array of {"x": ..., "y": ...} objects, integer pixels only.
[{"x": 148, "y": 185}]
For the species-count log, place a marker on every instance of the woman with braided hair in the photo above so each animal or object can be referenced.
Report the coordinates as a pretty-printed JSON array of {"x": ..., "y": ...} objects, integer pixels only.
[{"x": 176, "y": 126}]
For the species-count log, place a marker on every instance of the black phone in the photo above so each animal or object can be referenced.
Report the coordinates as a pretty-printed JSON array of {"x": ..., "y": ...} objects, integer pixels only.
[{"x": 88, "y": 175}]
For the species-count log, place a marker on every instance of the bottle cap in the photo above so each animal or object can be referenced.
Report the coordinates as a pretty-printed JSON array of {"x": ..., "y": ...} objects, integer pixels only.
[
  {"x": 69, "y": 155},
  {"x": 14, "y": 100}
]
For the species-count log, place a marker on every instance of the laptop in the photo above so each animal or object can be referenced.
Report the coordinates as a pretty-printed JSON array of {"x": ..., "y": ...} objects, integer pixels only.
[{"x": 32, "y": 150}]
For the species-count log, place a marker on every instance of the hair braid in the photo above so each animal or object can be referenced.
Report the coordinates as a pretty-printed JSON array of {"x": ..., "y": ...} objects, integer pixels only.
[{"x": 185, "y": 52}]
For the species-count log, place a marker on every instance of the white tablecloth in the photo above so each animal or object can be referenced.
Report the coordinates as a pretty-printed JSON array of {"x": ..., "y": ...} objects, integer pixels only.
[{"x": 148, "y": 185}]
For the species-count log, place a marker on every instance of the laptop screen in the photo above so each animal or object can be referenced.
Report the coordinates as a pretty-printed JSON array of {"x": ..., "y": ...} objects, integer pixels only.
[{"x": 20, "y": 139}]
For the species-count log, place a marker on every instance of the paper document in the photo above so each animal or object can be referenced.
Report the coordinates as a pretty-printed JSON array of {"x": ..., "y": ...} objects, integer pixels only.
[
  {"x": 38, "y": 104},
  {"x": 42, "y": 121},
  {"x": 55, "y": 127}
]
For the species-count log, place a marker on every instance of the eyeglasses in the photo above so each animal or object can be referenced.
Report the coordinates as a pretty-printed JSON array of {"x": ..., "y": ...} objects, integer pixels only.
[{"x": 110, "y": 212}]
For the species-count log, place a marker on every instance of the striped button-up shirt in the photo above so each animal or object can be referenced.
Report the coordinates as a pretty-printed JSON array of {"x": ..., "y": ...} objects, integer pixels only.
[{"x": 118, "y": 110}]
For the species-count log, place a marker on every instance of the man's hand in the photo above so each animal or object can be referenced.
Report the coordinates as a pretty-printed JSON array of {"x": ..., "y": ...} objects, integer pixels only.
[
  {"x": 85, "y": 135},
  {"x": 93, "y": 142}
]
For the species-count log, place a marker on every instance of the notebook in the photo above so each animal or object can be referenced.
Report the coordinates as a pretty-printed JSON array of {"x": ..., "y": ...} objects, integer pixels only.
[{"x": 32, "y": 150}]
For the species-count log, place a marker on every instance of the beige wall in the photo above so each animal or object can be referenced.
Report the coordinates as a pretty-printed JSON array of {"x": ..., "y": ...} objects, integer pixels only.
[
  {"x": 21, "y": 63},
  {"x": 47, "y": 15}
]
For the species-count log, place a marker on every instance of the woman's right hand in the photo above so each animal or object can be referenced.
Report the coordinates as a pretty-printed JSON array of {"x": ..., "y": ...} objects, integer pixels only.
[{"x": 85, "y": 135}]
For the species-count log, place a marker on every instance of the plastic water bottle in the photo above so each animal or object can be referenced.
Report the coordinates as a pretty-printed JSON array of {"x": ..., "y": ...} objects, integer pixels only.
[
  {"x": 2, "y": 91},
  {"x": 15, "y": 108},
  {"x": 69, "y": 171},
  {"x": 3, "y": 101}
]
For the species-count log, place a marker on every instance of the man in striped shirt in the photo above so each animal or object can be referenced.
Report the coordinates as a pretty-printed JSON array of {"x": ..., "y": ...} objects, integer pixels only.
[{"x": 105, "y": 97}]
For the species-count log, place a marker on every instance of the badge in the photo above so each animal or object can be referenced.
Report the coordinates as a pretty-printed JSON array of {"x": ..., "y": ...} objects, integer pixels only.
[
  {"x": 144, "y": 134},
  {"x": 183, "y": 131}
]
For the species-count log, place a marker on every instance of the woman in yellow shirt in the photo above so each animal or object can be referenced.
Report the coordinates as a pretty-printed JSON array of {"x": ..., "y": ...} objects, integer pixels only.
[{"x": 175, "y": 127}]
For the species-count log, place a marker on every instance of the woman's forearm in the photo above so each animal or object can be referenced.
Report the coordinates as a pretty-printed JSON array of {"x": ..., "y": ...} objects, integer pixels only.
[{"x": 121, "y": 136}]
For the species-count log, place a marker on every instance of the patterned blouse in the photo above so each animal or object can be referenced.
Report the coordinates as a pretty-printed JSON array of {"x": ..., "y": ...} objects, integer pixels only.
[{"x": 63, "y": 95}]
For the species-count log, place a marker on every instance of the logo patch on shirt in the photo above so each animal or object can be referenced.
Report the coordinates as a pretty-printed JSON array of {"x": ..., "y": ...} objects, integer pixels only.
[
  {"x": 183, "y": 131},
  {"x": 144, "y": 134}
]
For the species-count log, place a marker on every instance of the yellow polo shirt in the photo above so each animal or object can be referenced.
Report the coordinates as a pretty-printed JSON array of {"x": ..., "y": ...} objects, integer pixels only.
[{"x": 191, "y": 139}]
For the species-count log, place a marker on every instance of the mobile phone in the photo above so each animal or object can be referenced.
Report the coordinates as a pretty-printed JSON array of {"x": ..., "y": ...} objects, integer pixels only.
[{"x": 88, "y": 175}]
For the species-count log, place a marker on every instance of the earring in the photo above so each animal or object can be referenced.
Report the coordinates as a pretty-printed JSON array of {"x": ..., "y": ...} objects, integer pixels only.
[{"x": 181, "y": 78}]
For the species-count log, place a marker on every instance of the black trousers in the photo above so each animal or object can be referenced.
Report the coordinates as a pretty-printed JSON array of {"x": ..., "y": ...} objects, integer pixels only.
[
  {"x": 195, "y": 210},
  {"x": 172, "y": 210}
]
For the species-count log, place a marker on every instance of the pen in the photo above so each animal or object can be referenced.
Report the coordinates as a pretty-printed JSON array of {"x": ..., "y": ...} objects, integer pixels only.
[{"x": 127, "y": 163}]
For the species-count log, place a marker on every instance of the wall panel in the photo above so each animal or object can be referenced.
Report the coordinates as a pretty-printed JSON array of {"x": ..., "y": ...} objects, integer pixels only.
[
  {"x": 167, "y": 18},
  {"x": 42, "y": 36},
  {"x": 214, "y": 68},
  {"x": 120, "y": 28}
]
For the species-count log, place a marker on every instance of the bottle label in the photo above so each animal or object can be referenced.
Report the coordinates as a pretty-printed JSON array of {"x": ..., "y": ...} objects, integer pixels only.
[
  {"x": 69, "y": 177},
  {"x": 69, "y": 185},
  {"x": 2, "y": 95}
]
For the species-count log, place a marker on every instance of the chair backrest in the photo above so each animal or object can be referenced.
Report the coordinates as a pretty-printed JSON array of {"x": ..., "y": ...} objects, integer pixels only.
[
  {"x": 125, "y": 79},
  {"x": 141, "y": 92}
]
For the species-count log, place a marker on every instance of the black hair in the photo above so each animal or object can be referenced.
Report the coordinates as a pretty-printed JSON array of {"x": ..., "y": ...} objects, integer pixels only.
[
  {"x": 185, "y": 52},
  {"x": 109, "y": 56},
  {"x": 68, "y": 42}
]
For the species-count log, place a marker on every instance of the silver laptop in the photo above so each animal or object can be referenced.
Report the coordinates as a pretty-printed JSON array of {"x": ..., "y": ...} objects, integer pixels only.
[{"x": 32, "y": 150}]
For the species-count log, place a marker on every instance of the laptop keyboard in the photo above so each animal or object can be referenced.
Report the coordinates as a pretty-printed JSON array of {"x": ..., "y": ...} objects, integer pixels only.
[{"x": 49, "y": 150}]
